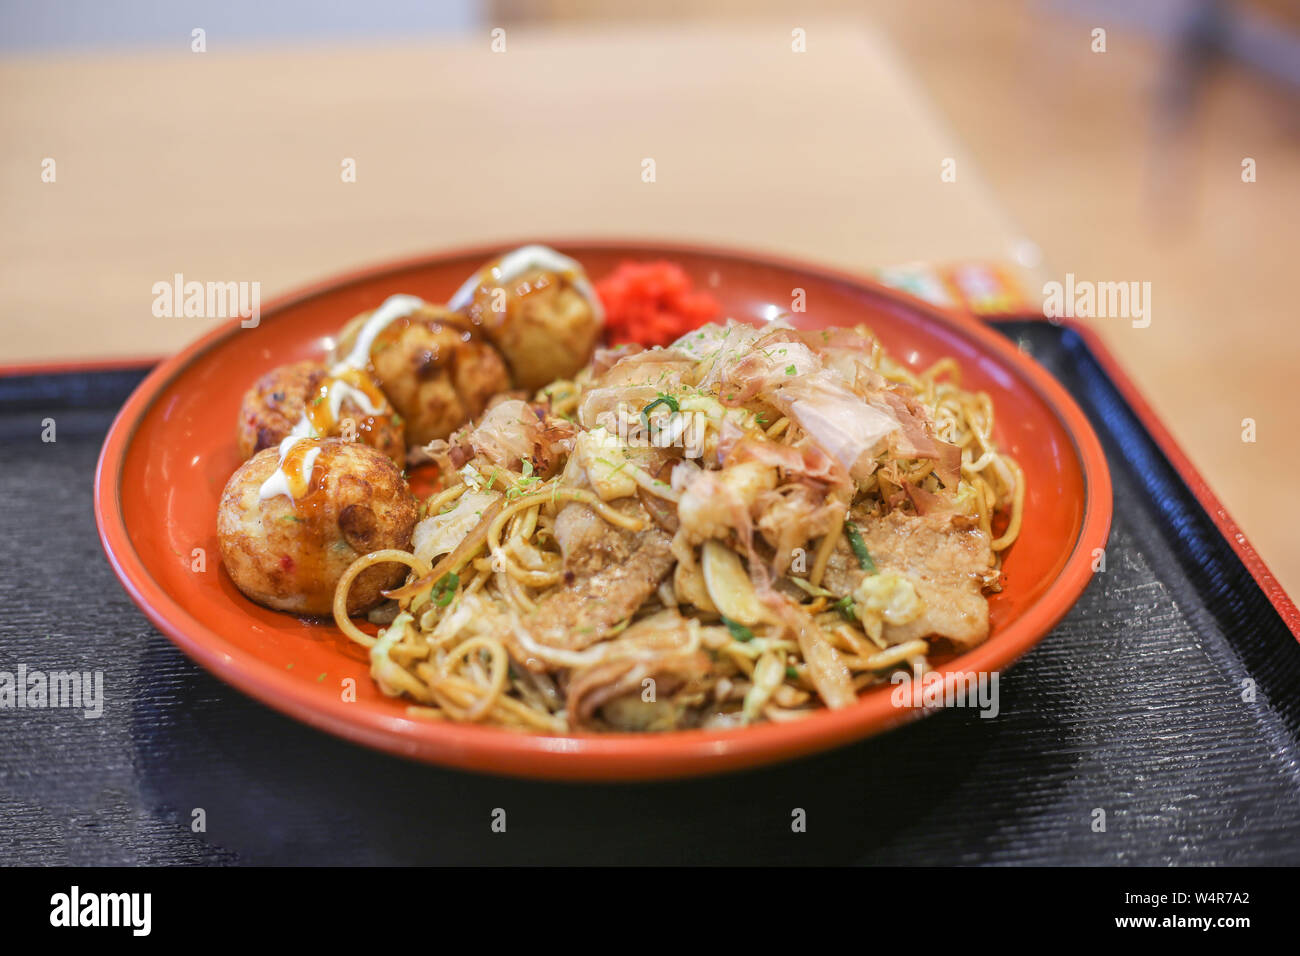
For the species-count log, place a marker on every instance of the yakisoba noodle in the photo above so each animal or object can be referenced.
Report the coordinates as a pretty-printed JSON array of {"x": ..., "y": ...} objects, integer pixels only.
[
  {"x": 894, "y": 538},
  {"x": 966, "y": 418}
]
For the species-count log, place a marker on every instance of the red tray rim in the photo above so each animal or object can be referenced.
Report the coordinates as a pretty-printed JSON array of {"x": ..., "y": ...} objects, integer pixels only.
[{"x": 1173, "y": 451}]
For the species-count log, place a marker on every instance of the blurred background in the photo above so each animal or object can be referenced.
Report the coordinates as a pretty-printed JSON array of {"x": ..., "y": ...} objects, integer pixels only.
[{"x": 1123, "y": 163}]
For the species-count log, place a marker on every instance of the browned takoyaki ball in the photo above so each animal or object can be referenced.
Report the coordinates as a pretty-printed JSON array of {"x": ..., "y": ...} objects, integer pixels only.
[
  {"x": 436, "y": 370},
  {"x": 544, "y": 325},
  {"x": 275, "y": 405},
  {"x": 288, "y": 553}
]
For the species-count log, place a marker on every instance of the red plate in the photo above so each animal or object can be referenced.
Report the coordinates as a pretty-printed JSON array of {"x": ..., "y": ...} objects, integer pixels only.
[{"x": 170, "y": 451}]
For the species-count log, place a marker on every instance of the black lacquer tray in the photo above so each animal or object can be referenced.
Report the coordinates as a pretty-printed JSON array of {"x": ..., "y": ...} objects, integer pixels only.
[{"x": 1169, "y": 699}]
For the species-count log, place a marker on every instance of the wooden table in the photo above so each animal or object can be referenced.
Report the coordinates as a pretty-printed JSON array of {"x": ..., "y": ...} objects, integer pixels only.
[{"x": 227, "y": 166}]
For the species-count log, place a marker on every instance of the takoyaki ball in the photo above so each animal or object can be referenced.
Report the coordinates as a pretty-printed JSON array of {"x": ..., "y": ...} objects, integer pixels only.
[
  {"x": 276, "y": 404},
  {"x": 288, "y": 530},
  {"x": 545, "y": 322},
  {"x": 436, "y": 369}
]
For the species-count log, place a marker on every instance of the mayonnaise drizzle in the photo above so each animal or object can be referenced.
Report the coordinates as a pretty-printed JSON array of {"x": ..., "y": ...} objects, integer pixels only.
[
  {"x": 521, "y": 261},
  {"x": 279, "y": 482},
  {"x": 392, "y": 309},
  {"x": 339, "y": 391}
]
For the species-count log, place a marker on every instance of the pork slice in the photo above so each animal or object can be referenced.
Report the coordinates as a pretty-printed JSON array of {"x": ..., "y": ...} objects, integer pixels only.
[
  {"x": 613, "y": 572},
  {"x": 617, "y": 686},
  {"x": 588, "y": 543},
  {"x": 656, "y": 647},
  {"x": 946, "y": 556}
]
